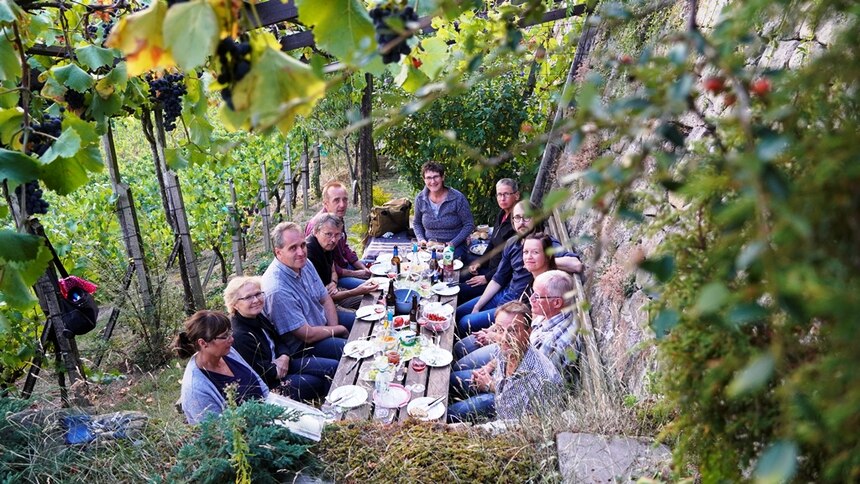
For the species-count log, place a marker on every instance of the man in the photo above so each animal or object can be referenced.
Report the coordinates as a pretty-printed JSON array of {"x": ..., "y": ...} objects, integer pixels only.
[
  {"x": 518, "y": 380},
  {"x": 297, "y": 302},
  {"x": 350, "y": 270},
  {"x": 507, "y": 195},
  {"x": 328, "y": 230}
]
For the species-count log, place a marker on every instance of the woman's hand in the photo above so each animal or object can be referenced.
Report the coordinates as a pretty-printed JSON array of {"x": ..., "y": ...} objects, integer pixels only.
[
  {"x": 476, "y": 281},
  {"x": 331, "y": 288},
  {"x": 473, "y": 268},
  {"x": 481, "y": 380},
  {"x": 282, "y": 363}
]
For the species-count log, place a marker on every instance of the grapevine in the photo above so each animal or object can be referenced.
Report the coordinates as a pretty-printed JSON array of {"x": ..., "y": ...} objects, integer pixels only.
[
  {"x": 167, "y": 91},
  {"x": 235, "y": 65},
  {"x": 33, "y": 197},
  {"x": 74, "y": 99},
  {"x": 45, "y": 133},
  {"x": 385, "y": 34}
]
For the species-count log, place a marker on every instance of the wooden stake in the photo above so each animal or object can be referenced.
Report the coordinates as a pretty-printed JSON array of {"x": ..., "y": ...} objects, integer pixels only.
[
  {"x": 305, "y": 174},
  {"x": 237, "y": 231},
  {"x": 264, "y": 208},
  {"x": 288, "y": 181}
]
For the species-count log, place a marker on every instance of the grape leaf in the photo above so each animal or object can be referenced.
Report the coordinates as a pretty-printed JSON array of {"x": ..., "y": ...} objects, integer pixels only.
[
  {"x": 175, "y": 159},
  {"x": 20, "y": 270},
  {"x": 140, "y": 38},
  {"x": 10, "y": 63},
  {"x": 191, "y": 24},
  {"x": 65, "y": 146},
  {"x": 757, "y": 372},
  {"x": 9, "y": 12},
  {"x": 10, "y": 124},
  {"x": 93, "y": 56},
  {"x": 18, "y": 247},
  {"x": 73, "y": 77},
  {"x": 434, "y": 56},
  {"x": 17, "y": 167},
  {"x": 341, "y": 27},
  {"x": 410, "y": 78}
]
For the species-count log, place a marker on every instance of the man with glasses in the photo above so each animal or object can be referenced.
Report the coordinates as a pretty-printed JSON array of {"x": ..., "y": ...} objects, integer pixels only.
[
  {"x": 322, "y": 245},
  {"x": 350, "y": 270},
  {"x": 507, "y": 195}
]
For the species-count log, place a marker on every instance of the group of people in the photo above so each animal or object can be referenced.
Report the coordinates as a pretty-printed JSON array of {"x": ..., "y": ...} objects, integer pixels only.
[{"x": 285, "y": 331}]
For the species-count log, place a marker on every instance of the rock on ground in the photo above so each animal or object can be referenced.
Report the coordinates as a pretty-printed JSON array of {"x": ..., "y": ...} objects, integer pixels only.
[{"x": 601, "y": 458}]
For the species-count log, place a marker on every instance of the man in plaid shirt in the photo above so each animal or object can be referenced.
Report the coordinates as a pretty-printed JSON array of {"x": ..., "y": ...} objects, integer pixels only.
[{"x": 555, "y": 332}]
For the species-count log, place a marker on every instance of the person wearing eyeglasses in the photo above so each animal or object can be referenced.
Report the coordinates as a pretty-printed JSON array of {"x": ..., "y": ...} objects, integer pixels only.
[
  {"x": 255, "y": 338},
  {"x": 322, "y": 245},
  {"x": 507, "y": 195},
  {"x": 351, "y": 271},
  {"x": 213, "y": 365},
  {"x": 442, "y": 213},
  {"x": 555, "y": 331},
  {"x": 512, "y": 278}
]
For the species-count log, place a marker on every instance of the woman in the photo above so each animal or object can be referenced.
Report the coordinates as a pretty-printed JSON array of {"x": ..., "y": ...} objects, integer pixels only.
[
  {"x": 213, "y": 365},
  {"x": 257, "y": 341},
  {"x": 442, "y": 214},
  {"x": 511, "y": 278},
  {"x": 476, "y": 349},
  {"x": 507, "y": 195}
]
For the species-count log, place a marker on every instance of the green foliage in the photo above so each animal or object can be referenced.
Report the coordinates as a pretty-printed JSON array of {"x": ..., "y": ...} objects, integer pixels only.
[
  {"x": 420, "y": 452},
  {"x": 243, "y": 442},
  {"x": 755, "y": 282},
  {"x": 482, "y": 121}
]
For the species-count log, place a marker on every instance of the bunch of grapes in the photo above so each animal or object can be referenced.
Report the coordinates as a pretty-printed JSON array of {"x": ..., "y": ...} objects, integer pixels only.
[
  {"x": 74, "y": 99},
  {"x": 235, "y": 59},
  {"x": 44, "y": 134},
  {"x": 32, "y": 197},
  {"x": 167, "y": 92},
  {"x": 385, "y": 34},
  {"x": 171, "y": 3}
]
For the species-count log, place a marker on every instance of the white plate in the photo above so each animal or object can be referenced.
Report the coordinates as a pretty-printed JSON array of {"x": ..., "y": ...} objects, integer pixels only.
[
  {"x": 443, "y": 289},
  {"x": 395, "y": 397},
  {"x": 478, "y": 249},
  {"x": 354, "y": 396},
  {"x": 434, "y": 413},
  {"x": 381, "y": 281},
  {"x": 380, "y": 268},
  {"x": 360, "y": 348},
  {"x": 458, "y": 264},
  {"x": 436, "y": 357},
  {"x": 422, "y": 256},
  {"x": 370, "y": 312}
]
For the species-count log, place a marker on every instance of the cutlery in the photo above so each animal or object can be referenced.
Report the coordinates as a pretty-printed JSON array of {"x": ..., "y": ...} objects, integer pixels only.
[
  {"x": 352, "y": 367},
  {"x": 434, "y": 403}
]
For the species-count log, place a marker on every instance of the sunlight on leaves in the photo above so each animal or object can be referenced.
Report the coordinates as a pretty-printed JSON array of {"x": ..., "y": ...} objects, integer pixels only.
[
  {"x": 140, "y": 38},
  {"x": 191, "y": 23},
  {"x": 341, "y": 27},
  {"x": 754, "y": 376}
]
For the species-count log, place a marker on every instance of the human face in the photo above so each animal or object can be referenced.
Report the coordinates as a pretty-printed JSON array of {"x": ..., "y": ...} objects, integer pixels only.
[
  {"x": 522, "y": 224},
  {"x": 434, "y": 181},
  {"x": 328, "y": 236},
  {"x": 510, "y": 332},
  {"x": 543, "y": 302},
  {"x": 294, "y": 253},
  {"x": 534, "y": 258},
  {"x": 249, "y": 301},
  {"x": 336, "y": 201},
  {"x": 506, "y": 197},
  {"x": 219, "y": 345}
]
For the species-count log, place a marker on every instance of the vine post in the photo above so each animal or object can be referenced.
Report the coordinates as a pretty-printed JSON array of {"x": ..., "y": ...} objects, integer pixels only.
[
  {"x": 264, "y": 207},
  {"x": 365, "y": 149},
  {"x": 236, "y": 230},
  {"x": 305, "y": 169},
  {"x": 317, "y": 170},
  {"x": 288, "y": 182}
]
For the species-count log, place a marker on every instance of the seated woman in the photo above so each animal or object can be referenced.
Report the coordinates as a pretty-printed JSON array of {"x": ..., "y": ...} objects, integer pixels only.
[
  {"x": 512, "y": 278},
  {"x": 213, "y": 365},
  {"x": 255, "y": 338},
  {"x": 442, "y": 214},
  {"x": 473, "y": 351},
  {"x": 507, "y": 195},
  {"x": 518, "y": 380}
]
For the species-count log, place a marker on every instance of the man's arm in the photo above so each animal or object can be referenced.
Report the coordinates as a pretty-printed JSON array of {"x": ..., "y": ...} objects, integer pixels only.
[
  {"x": 492, "y": 288},
  {"x": 311, "y": 334},
  {"x": 330, "y": 310},
  {"x": 569, "y": 264},
  {"x": 364, "y": 288}
]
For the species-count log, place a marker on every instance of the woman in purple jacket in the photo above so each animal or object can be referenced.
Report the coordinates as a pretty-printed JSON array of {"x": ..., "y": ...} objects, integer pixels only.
[{"x": 442, "y": 214}]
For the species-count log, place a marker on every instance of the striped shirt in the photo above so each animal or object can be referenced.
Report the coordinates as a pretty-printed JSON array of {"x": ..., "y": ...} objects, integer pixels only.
[
  {"x": 558, "y": 339},
  {"x": 533, "y": 382}
]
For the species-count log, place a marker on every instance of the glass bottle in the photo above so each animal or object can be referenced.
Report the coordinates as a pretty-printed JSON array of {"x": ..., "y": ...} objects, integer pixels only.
[{"x": 395, "y": 260}]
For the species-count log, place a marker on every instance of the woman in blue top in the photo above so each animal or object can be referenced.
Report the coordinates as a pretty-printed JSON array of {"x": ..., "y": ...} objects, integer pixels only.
[
  {"x": 213, "y": 365},
  {"x": 511, "y": 278},
  {"x": 442, "y": 214}
]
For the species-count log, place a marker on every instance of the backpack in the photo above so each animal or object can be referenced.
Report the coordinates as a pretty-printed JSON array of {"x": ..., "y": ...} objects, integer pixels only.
[
  {"x": 80, "y": 312},
  {"x": 392, "y": 216}
]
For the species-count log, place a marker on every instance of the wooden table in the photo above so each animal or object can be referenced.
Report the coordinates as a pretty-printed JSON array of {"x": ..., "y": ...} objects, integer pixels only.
[{"x": 435, "y": 379}]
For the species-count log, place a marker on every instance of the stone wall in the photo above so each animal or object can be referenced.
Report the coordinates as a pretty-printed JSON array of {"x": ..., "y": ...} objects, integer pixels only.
[{"x": 619, "y": 305}]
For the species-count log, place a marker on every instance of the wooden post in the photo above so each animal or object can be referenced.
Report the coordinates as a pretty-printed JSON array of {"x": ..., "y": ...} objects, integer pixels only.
[
  {"x": 264, "y": 208},
  {"x": 305, "y": 174},
  {"x": 288, "y": 181},
  {"x": 317, "y": 171},
  {"x": 364, "y": 169},
  {"x": 128, "y": 222},
  {"x": 237, "y": 231},
  {"x": 188, "y": 261}
]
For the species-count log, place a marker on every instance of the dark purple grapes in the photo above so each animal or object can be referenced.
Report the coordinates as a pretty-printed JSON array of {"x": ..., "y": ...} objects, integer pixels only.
[
  {"x": 167, "y": 92},
  {"x": 235, "y": 57},
  {"x": 385, "y": 34},
  {"x": 32, "y": 197},
  {"x": 74, "y": 99},
  {"x": 171, "y": 3},
  {"x": 44, "y": 134}
]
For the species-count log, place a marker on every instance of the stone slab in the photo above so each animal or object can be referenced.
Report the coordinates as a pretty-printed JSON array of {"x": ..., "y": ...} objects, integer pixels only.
[{"x": 602, "y": 458}]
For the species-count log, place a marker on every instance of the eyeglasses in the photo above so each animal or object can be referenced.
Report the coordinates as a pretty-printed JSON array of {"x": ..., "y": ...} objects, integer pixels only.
[
  {"x": 505, "y": 194},
  {"x": 256, "y": 295},
  {"x": 227, "y": 335},
  {"x": 330, "y": 235},
  {"x": 520, "y": 218},
  {"x": 535, "y": 295},
  {"x": 432, "y": 177}
]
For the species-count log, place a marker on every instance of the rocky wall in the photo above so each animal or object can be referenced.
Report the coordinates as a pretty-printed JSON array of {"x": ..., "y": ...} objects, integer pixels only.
[{"x": 619, "y": 305}]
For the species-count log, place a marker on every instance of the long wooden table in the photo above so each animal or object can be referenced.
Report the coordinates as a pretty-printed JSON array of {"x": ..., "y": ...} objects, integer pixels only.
[{"x": 435, "y": 379}]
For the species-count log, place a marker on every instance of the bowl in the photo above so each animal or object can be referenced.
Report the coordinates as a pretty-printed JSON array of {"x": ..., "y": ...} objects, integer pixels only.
[
  {"x": 402, "y": 304},
  {"x": 438, "y": 326}
]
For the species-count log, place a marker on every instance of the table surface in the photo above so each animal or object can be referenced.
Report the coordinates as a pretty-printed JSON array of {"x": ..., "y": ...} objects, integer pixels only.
[{"x": 435, "y": 379}]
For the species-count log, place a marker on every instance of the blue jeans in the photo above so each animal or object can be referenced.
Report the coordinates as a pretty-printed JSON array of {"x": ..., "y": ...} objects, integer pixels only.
[
  {"x": 305, "y": 387},
  {"x": 470, "y": 356},
  {"x": 345, "y": 318},
  {"x": 473, "y": 408},
  {"x": 312, "y": 369},
  {"x": 350, "y": 282},
  {"x": 467, "y": 292}
]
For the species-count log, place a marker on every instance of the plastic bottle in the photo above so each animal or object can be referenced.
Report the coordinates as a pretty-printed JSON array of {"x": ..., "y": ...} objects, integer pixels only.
[{"x": 448, "y": 264}]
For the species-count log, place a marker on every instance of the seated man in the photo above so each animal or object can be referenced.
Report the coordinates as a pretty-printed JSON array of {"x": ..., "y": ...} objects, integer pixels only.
[
  {"x": 554, "y": 331},
  {"x": 351, "y": 271},
  {"x": 328, "y": 230},
  {"x": 299, "y": 306},
  {"x": 516, "y": 381}
]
